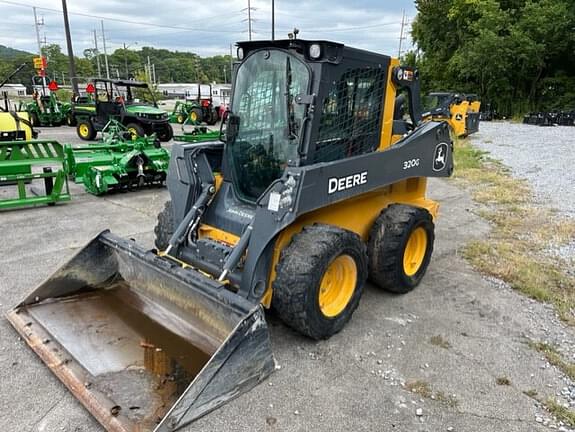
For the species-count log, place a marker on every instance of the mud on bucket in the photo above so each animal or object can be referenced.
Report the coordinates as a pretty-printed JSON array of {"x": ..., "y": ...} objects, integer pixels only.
[{"x": 144, "y": 344}]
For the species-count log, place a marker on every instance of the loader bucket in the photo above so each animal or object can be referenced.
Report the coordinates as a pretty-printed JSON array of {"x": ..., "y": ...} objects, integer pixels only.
[{"x": 143, "y": 343}]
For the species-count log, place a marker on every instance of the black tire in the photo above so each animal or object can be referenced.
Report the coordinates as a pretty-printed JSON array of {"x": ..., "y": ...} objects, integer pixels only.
[
  {"x": 137, "y": 129},
  {"x": 35, "y": 120},
  {"x": 300, "y": 271},
  {"x": 199, "y": 115},
  {"x": 212, "y": 117},
  {"x": 166, "y": 134},
  {"x": 71, "y": 120},
  {"x": 388, "y": 239},
  {"x": 165, "y": 227},
  {"x": 85, "y": 130}
]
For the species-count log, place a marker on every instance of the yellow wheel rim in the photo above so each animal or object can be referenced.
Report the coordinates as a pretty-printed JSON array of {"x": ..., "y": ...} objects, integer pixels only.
[
  {"x": 194, "y": 116},
  {"x": 133, "y": 132},
  {"x": 180, "y": 118},
  {"x": 414, "y": 253},
  {"x": 84, "y": 130},
  {"x": 337, "y": 286}
]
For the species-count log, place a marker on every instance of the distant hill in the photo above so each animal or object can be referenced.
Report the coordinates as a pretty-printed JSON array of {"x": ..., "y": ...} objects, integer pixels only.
[{"x": 7, "y": 53}]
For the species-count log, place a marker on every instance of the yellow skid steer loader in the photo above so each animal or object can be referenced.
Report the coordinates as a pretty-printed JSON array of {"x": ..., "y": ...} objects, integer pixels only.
[
  {"x": 314, "y": 186},
  {"x": 460, "y": 111}
]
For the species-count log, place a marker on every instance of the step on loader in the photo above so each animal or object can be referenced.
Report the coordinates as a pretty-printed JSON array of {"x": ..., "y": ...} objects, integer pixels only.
[{"x": 314, "y": 188}]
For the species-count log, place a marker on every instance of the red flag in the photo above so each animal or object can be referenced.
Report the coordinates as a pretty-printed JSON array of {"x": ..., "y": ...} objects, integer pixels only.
[{"x": 53, "y": 86}]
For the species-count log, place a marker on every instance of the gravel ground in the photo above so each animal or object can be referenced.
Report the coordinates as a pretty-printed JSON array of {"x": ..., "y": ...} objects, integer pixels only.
[{"x": 545, "y": 157}]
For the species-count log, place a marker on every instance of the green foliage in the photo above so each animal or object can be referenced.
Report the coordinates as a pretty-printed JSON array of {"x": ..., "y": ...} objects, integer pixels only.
[
  {"x": 170, "y": 66},
  {"x": 516, "y": 54},
  {"x": 144, "y": 95}
]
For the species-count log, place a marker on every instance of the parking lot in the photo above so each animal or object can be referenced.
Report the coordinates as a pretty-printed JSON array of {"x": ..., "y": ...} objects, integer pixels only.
[{"x": 452, "y": 355}]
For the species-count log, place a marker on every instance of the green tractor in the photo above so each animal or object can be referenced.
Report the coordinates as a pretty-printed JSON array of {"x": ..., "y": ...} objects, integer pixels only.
[
  {"x": 45, "y": 108},
  {"x": 131, "y": 103},
  {"x": 188, "y": 112}
]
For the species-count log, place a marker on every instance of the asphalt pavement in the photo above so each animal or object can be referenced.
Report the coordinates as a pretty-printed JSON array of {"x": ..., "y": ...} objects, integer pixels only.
[{"x": 457, "y": 334}]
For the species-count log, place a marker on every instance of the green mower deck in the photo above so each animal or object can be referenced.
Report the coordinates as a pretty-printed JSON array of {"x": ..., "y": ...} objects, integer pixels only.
[{"x": 199, "y": 134}]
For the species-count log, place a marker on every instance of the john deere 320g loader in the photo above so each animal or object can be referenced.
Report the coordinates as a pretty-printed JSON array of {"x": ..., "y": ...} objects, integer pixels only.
[{"x": 315, "y": 188}]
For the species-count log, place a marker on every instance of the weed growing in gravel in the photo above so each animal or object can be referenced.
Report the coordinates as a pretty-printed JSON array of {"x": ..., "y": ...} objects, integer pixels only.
[
  {"x": 439, "y": 341},
  {"x": 503, "y": 381},
  {"x": 532, "y": 393},
  {"x": 423, "y": 389},
  {"x": 553, "y": 357},
  {"x": 419, "y": 387},
  {"x": 560, "y": 412},
  {"x": 515, "y": 250}
]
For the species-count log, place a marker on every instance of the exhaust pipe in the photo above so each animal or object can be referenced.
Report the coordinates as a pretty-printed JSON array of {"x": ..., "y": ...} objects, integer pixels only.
[{"x": 143, "y": 343}]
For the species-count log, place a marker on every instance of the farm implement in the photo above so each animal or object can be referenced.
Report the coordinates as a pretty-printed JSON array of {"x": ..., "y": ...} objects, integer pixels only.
[
  {"x": 22, "y": 162},
  {"x": 197, "y": 135},
  {"x": 118, "y": 162}
]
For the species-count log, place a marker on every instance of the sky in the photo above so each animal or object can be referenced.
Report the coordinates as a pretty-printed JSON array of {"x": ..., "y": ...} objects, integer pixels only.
[{"x": 203, "y": 27}]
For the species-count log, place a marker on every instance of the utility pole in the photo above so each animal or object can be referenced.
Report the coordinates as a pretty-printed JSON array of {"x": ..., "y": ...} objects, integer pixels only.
[
  {"x": 273, "y": 20},
  {"x": 71, "y": 63},
  {"x": 231, "y": 64},
  {"x": 37, "y": 25},
  {"x": 154, "y": 73},
  {"x": 149, "y": 70},
  {"x": 105, "y": 52},
  {"x": 126, "y": 61},
  {"x": 97, "y": 54},
  {"x": 401, "y": 37},
  {"x": 250, "y": 19}
]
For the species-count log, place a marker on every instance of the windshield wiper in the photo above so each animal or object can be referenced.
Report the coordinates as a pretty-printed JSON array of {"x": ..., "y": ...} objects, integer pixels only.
[{"x": 291, "y": 125}]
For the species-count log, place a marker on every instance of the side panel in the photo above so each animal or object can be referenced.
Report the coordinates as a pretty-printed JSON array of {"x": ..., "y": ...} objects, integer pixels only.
[{"x": 458, "y": 117}]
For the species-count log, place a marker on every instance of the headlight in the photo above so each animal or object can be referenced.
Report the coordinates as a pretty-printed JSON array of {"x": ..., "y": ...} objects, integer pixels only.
[
  {"x": 315, "y": 51},
  {"x": 240, "y": 53}
]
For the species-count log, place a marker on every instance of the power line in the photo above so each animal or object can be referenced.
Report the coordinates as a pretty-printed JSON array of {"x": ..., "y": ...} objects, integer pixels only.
[
  {"x": 124, "y": 20},
  {"x": 331, "y": 29}
]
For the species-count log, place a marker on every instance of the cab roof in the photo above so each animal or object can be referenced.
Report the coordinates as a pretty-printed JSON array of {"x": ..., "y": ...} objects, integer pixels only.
[
  {"x": 332, "y": 52},
  {"x": 122, "y": 83}
]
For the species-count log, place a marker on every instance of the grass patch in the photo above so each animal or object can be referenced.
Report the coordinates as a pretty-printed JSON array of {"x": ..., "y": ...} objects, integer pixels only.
[
  {"x": 514, "y": 251},
  {"x": 532, "y": 393},
  {"x": 450, "y": 400},
  {"x": 419, "y": 387},
  {"x": 423, "y": 389},
  {"x": 503, "y": 381},
  {"x": 553, "y": 357},
  {"x": 439, "y": 341},
  {"x": 560, "y": 412}
]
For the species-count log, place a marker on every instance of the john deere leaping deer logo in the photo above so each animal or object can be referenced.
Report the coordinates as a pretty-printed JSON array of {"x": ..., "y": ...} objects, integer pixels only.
[{"x": 440, "y": 156}]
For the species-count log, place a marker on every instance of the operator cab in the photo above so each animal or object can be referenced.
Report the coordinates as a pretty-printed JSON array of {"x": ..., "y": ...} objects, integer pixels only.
[{"x": 279, "y": 87}]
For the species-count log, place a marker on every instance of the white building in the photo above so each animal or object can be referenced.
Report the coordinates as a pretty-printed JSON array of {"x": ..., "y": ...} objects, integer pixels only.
[
  {"x": 13, "y": 90},
  {"x": 174, "y": 90},
  {"x": 220, "y": 93}
]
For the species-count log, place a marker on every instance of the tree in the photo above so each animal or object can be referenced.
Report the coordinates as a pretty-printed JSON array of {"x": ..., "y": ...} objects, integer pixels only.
[{"x": 517, "y": 54}]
